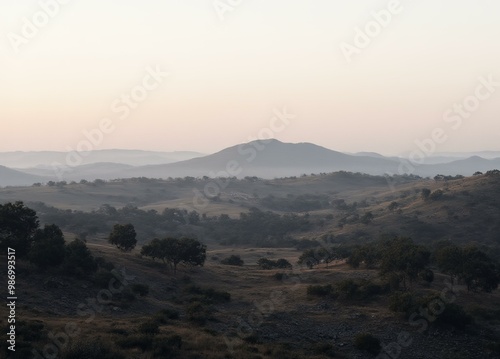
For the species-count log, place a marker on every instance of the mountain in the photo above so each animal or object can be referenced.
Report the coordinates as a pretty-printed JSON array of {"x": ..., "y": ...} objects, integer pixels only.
[
  {"x": 10, "y": 177},
  {"x": 45, "y": 159},
  {"x": 267, "y": 159},
  {"x": 464, "y": 167},
  {"x": 89, "y": 172}
]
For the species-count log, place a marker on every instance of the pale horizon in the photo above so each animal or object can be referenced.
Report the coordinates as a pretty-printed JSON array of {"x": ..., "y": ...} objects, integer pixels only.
[{"x": 229, "y": 73}]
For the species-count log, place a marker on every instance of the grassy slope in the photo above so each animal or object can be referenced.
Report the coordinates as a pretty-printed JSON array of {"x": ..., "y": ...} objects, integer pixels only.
[{"x": 295, "y": 325}]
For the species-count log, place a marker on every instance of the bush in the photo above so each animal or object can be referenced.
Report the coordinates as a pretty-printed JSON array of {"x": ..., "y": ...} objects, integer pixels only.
[
  {"x": 401, "y": 302},
  {"x": 446, "y": 313},
  {"x": 427, "y": 275},
  {"x": 208, "y": 295},
  {"x": 102, "y": 278},
  {"x": 281, "y": 263},
  {"x": 103, "y": 263},
  {"x": 167, "y": 347},
  {"x": 31, "y": 331},
  {"x": 48, "y": 249},
  {"x": 437, "y": 194},
  {"x": 280, "y": 276},
  {"x": 163, "y": 315},
  {"x": 141, "y": 289},
  {"x": 320, "y": 290},
  {"x": 141, "y": 341},
  {"x": 367, "y": 342},
  {"x": 360, "y": 289},
  {"x": 150, "y": 327},
  {"x": 233, "y": 261},
  {"x": 198, "y": 313},
  {"x": 90, "y": 349},
  {"x": 78, "y": 260},
  {"x": 455, "y": 315},
  {"x": 323, "y": 349}
]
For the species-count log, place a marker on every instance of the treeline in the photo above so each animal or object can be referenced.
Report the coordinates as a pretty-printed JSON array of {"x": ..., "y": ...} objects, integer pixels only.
[
  {"x": 256, "y": 227},
  {"x": 406, "y": 262},
  {"x": 293, "y": 203},
  {"x": 45, "y": 246}
]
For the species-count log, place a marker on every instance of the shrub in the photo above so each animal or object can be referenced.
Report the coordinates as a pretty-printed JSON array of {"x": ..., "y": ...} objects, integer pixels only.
[
  {"x": 320, "y": 290},
  {"x": 265, "y": 263},
  {"x": 163, "y": 315},
  {"x": 446, "y": 313},
  {"x": 367, "y": 342},
  {"x": 208, "y": 295},
  {"x": 401, "y": 302},
  {"x": 78, "y": 260},
  {"x": 31, "y": 331},
  {"x": 323, "y": 349},
  {"x": 141, "y": 289},
  {"x": 141, "y": 341},
  {"x": 437, "y": 194},
  {"x": 280, "y": 276},
  {"x": 281, "y": 263},
  {"x": 198, "y": 313},
  {"x": 103, "y": 263},
  {"x": 427, "y": 275},
  {"x": 90, "y": 349},
  {"x": 167, "y": 347},
  {"x": 454, "y": 315},
  {"x": 102, "y": 278},
  {"x": 359, "y": 289},
  {"x": 233, "y": 261},
  {"x": 150, "y": 327}
]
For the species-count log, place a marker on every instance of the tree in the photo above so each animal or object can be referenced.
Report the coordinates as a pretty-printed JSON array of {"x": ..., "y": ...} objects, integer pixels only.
[
  {"x": 123, "y": 236},
  {"x": 48, "y": 249},
  {"x": 437, "y": 194},
  {"x": 153, "y": 250},
  {"x": 367, "y": 218},
  {"x": 426, "y": 193},
  {"x": 480, "y": 272},
  {"x": 18, "y": 225},
  {"x": 403, "y": 257},
  {"x": 310, "y": 257},
  {"x": 78, "y": 259},
  {"x": 233, "y": 260},
  {"x": 174, "y": 251},
  {"x": 190, "y": 252},
  {"x": 450, "y": 259}
]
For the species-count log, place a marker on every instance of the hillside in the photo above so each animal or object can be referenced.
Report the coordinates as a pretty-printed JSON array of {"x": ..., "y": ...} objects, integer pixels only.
[
  {"x": 461, "y": 209},
  {"x": 248, "y": 312},
  {"x": 10, "y": 177}
]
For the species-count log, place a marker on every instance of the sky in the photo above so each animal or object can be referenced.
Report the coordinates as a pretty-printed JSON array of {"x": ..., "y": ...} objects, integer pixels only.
[{"x": 202, "y": 75}]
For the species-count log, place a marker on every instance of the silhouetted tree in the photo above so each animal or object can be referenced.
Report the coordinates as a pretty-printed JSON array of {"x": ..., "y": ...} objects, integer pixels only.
[
  {"x": 123, "y": 236},
  {"x": 48, "y": 249},
  {"x": 18, "y": 225}
]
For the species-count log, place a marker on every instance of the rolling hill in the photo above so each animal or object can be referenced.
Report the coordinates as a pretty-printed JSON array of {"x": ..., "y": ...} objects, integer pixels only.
[
  {"x": 265, "y": 159},
  {"x": 10, "y": 177}
]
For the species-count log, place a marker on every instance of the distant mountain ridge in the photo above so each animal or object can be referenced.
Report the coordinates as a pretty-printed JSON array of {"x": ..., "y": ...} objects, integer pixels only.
[
  {"x": 44, "y": 159},
  {"x": 10, "y": 177},
  {"x": 265, "y": 159}
]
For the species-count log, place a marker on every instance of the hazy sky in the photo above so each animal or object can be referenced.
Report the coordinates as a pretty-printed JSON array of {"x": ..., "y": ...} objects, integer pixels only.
[{"x": 232, "y": 67}]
